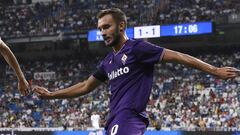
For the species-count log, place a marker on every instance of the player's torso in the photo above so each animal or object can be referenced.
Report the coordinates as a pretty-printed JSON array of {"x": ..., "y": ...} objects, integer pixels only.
[
  {"x": 121, "y": 68},
  {"x": 126, "y": 76},
  {"x": 130, "y": 82}
]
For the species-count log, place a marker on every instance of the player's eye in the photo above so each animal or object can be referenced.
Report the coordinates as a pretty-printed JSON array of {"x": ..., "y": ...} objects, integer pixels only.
[{"x": 106, "y": 26}]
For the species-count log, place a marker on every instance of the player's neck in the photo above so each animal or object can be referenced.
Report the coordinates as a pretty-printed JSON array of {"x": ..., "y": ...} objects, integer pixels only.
[{"x": 121, "y": 43}]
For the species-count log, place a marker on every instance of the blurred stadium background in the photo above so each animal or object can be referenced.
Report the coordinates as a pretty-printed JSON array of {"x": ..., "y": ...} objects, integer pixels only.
[{"x": 51, "y": 39}]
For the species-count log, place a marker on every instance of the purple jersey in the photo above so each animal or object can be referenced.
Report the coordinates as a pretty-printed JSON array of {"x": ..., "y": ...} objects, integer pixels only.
[{"x": 130, "y": 75}]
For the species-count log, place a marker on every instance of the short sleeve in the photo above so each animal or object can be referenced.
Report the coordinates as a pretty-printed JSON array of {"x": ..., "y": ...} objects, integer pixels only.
[
  {"x": 148, "y": 53},
  {"x": 100, "y": 74}
]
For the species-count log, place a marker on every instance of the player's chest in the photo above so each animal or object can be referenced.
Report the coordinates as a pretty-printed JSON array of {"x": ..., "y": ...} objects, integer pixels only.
[{"x": 120, "y": 65}]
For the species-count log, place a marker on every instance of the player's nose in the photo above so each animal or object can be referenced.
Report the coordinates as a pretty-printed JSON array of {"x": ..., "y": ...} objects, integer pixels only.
[
  {"x": 103, "y": 33},
  {"x": 104, "y": 36}
]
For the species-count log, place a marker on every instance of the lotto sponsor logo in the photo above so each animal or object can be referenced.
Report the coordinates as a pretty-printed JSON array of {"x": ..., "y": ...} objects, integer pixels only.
[{"x": 116, "y": 73}]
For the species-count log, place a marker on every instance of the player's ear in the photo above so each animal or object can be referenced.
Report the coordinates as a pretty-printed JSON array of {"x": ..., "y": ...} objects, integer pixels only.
[{"x": 121, "y": 26}]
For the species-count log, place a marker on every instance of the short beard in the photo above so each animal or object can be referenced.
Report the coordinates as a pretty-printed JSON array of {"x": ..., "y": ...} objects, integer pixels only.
[{"x": 116, "y": 38}]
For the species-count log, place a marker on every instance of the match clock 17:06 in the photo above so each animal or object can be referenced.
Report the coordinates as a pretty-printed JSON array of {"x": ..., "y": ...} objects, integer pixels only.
[{"x": 186, "y": 29}]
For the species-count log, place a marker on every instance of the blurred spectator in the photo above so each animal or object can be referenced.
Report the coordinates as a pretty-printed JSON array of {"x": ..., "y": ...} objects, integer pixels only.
[{"x": 95, "y": 118}]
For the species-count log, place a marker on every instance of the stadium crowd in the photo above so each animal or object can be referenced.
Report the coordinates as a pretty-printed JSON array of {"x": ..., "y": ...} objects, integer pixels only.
[
  {"x": 75, "y": 16},
  {"x": 182, "y": 98},
  {"x": 190, "y": 100}
]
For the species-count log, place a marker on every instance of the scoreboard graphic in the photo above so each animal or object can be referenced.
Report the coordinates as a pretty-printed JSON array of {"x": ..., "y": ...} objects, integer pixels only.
[{"x": 156, "y": 31}]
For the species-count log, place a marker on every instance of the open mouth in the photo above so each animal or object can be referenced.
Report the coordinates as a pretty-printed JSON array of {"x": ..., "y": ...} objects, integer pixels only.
[{"x": 107, "y": 39}]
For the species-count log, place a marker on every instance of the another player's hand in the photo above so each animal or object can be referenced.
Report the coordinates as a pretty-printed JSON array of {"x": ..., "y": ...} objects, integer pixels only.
[
  {"x": 23, "y": 87},
  {"x": 42, "y": 92},
  {"x": 227, "y": 72}
]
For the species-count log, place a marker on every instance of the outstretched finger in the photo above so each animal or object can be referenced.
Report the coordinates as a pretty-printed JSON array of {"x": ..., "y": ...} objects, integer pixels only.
[
  {"x": 231, "y": 69},
  {"x": 237, "y": 70},
  {"x": 36, "y": 88},
  {"x": 37, "y": 91}
]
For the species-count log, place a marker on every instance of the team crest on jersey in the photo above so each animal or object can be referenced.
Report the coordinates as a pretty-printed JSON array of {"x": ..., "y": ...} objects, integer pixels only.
[{"x": 124, "y": 59}]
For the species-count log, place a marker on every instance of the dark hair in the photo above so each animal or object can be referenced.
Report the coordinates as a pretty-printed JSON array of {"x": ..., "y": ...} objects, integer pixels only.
[{"x": 117, "y": 14}]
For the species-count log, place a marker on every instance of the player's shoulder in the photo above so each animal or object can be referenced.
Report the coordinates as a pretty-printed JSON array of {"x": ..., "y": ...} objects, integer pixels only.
[
  {"x": 138, "y": 42},
  {"x": 134, "y": 42},
  {"x": 130, "y": 44}
]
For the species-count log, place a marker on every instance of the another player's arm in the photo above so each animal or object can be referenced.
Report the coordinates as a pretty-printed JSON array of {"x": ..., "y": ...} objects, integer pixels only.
[
  {"x": 12, "y": 61},
  {"x": 76, "y": 90},
  {"x": 223, "y": 73}
]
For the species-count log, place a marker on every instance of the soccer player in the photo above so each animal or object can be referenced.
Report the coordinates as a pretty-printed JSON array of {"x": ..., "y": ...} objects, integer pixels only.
[
  {"x": 95, "y": 121},
  {"x": 12, "y": 61},
  {"x": 129, "y": 71}
]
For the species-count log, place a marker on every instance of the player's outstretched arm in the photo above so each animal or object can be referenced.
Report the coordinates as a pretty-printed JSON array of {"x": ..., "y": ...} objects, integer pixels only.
[
  {"x": 223, "y": 72},
  {"x": 76, "y": 90},
  {"x": 12, "y": 61}
]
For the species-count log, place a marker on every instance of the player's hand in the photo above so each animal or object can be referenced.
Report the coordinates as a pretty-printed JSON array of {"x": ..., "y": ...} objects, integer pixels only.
[
  {"x": 227, "y": 72},
  {"x": 23, "y": 87},
  {"x": 42, "y": 92}
]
